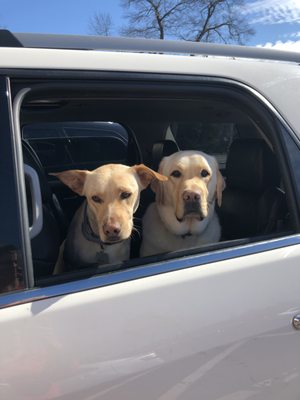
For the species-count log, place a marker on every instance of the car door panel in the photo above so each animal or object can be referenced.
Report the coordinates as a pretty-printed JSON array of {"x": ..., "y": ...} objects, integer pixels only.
[{"x": 218, "y": 331}]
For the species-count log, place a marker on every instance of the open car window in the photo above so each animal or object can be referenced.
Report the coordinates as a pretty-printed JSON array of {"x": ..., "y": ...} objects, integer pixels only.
[{"x": 90, "y": 128}]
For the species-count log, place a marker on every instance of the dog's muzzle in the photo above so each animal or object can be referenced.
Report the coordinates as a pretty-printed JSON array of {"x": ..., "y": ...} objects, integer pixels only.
[
  {"x": 192, "y": 208},
  {"x": 192, "y": 205},
  {"x": 197, "y": 214},
  {"x": 112, "y": 231},
  {"x": 113, "y": 241}
]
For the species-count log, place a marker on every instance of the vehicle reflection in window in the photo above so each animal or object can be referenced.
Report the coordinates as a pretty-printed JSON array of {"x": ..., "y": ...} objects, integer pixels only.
[{"x": 10, "y": 269}]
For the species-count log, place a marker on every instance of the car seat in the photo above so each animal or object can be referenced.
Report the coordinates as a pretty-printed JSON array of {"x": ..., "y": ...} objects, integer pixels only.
[
  {"x": 252, "y": 203},
  {"x": 44, "y": 246}
]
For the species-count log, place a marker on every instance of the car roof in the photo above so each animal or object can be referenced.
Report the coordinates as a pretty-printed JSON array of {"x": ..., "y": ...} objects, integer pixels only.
[
  {"x": 273, "y": 74},
  {"x": 89, "y": 42}
]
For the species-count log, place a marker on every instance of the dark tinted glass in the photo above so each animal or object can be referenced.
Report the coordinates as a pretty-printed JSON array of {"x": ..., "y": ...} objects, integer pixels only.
[
  {"x": 212, "y": 138},
  {"x": 77, "y": 144},
  {"x": 293, "y": 151},
  {"x": 11, "y": 262}
]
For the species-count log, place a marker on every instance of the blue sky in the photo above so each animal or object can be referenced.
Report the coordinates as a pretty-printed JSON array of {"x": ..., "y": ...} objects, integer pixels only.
[{"x": 277, "y": 22}]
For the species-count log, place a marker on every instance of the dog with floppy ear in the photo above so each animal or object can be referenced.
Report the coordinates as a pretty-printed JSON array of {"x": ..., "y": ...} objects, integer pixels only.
[
  {"x": 100, "y": 229},
  {"x": 183, "y": 215}
]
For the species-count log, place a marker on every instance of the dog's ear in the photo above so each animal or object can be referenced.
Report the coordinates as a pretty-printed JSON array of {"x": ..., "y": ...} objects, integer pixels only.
[
  {"x": 158, "y": 187},
  {"x": 147, "y": 175},
  {"x": 74, "y": 178},
  {"x": 220, "y": 187}
]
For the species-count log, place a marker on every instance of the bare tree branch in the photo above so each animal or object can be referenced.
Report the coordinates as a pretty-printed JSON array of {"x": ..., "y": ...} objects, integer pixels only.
[
  {"x": 217, "y": 20},
  {"x": 196, "y": 20},
  {"x": 151, "y": 18},
  {"x": 101, "y": 24}
]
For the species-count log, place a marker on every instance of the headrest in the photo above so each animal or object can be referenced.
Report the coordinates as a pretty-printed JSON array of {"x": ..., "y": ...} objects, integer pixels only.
[
  {"x": 251, "y": 166},
  {"x": 30, "y": 158},
  {"x": 162, "y": 149}
]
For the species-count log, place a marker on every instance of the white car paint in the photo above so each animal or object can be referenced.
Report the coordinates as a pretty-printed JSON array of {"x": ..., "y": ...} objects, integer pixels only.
[
  {"x": 276, "y": 81},
  {"x": 220, "y": 331}
]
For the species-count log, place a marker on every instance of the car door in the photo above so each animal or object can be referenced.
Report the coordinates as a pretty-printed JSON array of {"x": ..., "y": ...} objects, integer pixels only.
[
  {"x": 221, "y": 330},
  {"x": 216, "y": 325}
]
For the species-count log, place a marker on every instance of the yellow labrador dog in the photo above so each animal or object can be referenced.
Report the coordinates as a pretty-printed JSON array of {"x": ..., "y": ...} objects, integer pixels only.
[
  {"x": 183, "y": 215},
  {"x": 100, "y": 230}
]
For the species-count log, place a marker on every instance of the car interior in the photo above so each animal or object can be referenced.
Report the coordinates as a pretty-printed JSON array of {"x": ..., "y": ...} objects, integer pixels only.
[{"x": 79, "y": 125}]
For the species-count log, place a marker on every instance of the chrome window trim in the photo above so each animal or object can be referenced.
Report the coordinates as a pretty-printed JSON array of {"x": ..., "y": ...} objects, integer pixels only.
[
  {"x": 145, "y": 271},
  {"x": 16, "y": 108}
]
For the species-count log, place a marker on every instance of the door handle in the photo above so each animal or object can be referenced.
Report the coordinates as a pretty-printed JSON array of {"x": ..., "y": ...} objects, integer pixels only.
[
  {"x": 36, "y": 201},
  {"x": 296, "y": 322}
]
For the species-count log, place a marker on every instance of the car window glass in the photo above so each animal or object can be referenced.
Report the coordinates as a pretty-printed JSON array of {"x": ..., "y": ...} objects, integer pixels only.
[
  {"x": 11, "y": 259},
  {"x": 212, "y": 138},
  {"x": 77, "y": 144}
]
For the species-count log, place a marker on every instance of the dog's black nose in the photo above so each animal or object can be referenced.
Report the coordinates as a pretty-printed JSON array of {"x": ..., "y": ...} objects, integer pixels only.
[
  {"x": 112, "y": 229},
  {"x": 191, "y": 197}
]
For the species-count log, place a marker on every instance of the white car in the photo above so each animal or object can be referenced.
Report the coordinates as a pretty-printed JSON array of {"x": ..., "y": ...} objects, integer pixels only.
[{"x": 219, "y": 322}]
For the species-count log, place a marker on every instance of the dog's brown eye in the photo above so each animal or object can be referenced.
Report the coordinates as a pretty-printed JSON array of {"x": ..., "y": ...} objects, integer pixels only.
[
  {"x": 204, "y": 173},
  {"x": 125, "y": 195},
  {"x": 96, "y": 199},
  {"x": 176, "y": 173}
]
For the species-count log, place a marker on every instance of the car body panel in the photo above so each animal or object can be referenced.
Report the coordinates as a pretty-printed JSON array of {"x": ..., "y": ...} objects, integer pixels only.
[
  {"x": 275, "y": 81},
  {"x": 187, "y": 334}
]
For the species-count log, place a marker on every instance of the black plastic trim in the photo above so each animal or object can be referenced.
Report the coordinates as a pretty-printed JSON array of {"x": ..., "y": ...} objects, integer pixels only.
[{"x": 7, "y": 39}]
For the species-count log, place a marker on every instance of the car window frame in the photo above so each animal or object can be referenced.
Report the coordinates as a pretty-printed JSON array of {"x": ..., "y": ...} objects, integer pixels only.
[
  {"x": 182, "y": 259},
  {"x": 13, "y": 197}
]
